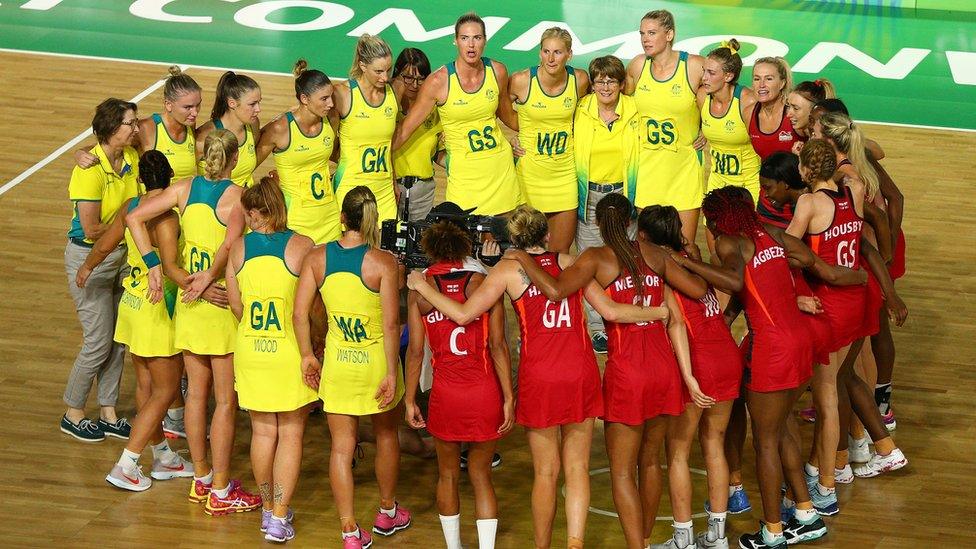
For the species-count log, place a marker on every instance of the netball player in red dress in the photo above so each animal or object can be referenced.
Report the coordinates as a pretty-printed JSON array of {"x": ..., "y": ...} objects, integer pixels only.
[
  {"x": 642, "y": 379},
  {"x": 770, "y": 129},
  {"x": 471, "y": 400},
  {"x": 557, "y": 399},
  {"x": 717, "y": 366},
  {"x": 753, "y": 265}
]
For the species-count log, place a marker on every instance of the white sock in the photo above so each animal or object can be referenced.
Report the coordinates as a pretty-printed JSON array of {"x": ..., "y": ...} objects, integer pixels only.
[
  {"x": 733, "y": 488},
  {"x": 824, "y": 491},
  {"x": 175, "y": 413},
  {"x": 162, "y": 449},
  {"x": 718, "y": 519},
  {"x": 128, "y": 460},
  {"x": 389, "y": 512},
  {"x": 805, "y": 515},
  {"x": 206, "y": 479},
  {"x": 222, "y": 492},
  {"x": 486, "y": 533},
  {"x": 810, "y": 470},
  {"x": 451, "y": 525},
  {"x": 353, "y": 534}
]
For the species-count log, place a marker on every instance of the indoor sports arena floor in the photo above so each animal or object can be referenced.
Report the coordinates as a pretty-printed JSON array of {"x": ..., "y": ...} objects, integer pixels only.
[{"x": 908, "y": 67}]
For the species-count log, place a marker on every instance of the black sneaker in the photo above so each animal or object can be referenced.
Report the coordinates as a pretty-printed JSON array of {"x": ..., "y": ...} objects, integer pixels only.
[
  {"x": 119, "y": 429},
  {"x": 85, "y": 430},
  {"x": 798, "y": 532},
  {"x": 759, "y": 540},
  {"x": 496, "y": 460},
  {"x": 599, "y": 340}
]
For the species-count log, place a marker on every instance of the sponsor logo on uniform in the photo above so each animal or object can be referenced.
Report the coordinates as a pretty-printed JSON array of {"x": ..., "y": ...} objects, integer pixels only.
[
  {"x": 785, "y": 136},
  {"x": 362, "y": 114},
  {"x": 644, "y": 88},
  {"x": 539, "y": 105},
  {"x": 301, "y": 148},
  {"x": 460, "y": 102}
]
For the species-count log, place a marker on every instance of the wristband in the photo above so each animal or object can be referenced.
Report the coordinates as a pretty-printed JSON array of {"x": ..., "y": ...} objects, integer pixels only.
[{"x": 151, "y": 259}]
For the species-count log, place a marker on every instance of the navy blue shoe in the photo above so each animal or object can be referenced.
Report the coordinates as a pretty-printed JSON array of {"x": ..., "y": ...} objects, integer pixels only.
[
  {"x": 119, "y": 429},
  {"x": 825, "y": 505},
  {"x": 85, "y": 430},
  {"x": 738, "y": 502}
]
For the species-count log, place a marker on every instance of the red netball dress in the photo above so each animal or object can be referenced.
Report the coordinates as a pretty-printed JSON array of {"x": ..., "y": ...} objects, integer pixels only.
[
  {"x": 781, "y": 353},
  {"x": 558, "y": 377},
  {"x": 715, "y": 359},
  {"x": 641, "y": 380},
  {"x": 466, "y": 398},
  {"x": 781, "y": 139},
  {"x": 840, "y": 244}
]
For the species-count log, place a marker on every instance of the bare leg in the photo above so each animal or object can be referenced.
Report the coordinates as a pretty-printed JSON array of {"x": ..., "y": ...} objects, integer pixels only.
[
  {"x": 222, "y": 423},
  {"x": 544, "y": 444},
  {"x": 343, "y": 431},
  {"x": 264, "y": 442},
  {"x": 689, "y": 224},
  {"x": 649, "y": 474},
  {"x": 712, "y": 436},
  {"x": 479, "y": 473},
  {"x": 680, "y": 436},
  {"x": 576, "y": 470},
  {"x": 146, "y": 426},
  {"x": 288, "y": 457},
  {"x": 197, "y": 395},
  {"x": 562, "y": 230},
  {"x": 735, "y": 439},
  {"x": 387, "y": 454},
  {"x": 623, "y": 444},
  {"x": 828, "y": 421},
  {"x": 768, "y": 412},
  {"x": 448, "y": 474}
]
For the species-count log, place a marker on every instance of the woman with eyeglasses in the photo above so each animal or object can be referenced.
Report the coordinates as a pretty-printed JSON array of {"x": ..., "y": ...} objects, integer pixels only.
[
  {"x": 97, "y": 193},
  {"x": 412, "y": 162},
  {"x": 236, "y": 108},
  {"x": 468, "y": 94},
  {"x": 663, "y": 83},
  {"x": 546, "y": 96}
]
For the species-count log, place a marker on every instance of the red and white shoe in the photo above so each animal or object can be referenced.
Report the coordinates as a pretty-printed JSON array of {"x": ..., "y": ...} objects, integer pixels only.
[
  {"x": 199, "y": 491},
  {"x": 881, "y": 464},
  {"x": 238, "y": 500},
  {"x": 173, "y": 466},
  {"x": 385, "y": 525},
  {"x": 362, "y": 541},
  {"x": 132, "y": 480}
]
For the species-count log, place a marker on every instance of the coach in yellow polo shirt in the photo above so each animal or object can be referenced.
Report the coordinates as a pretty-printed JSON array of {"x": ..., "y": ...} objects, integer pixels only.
[{"x": 96, "y": 195}]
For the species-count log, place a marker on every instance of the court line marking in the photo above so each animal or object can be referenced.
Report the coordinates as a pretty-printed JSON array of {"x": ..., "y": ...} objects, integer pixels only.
[
  {"x": 274, "y": 73},
  {"x": 663, "y": 518},
  {"x": 74, "y": 141}
]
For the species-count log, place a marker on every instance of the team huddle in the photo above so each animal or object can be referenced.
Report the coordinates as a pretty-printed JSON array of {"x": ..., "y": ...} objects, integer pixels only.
[{"x": 273, "y": 296}]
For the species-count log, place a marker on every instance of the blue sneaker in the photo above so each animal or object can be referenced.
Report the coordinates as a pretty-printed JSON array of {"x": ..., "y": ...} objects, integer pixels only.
[
  {"x": 119, "y": 429},
  {"x": 825, "y": 505},
  {"x": 85, "y": 430},
  {"x": 811, "y": 480},
  {"x": 738, "y": 502},
  {"x": 786, "y": 512}
]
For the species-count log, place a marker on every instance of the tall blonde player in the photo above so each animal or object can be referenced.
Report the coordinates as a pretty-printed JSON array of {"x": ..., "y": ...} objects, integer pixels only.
[
  {"x": 467, "y": 93},
  {"x": 303, "y": 141},
  {"x": 359, "y": 286},
  {"x": 211, "y": 219},
  {"x": 261, "y": 281},
  {"x": 663, "y": 83},
  {"x": 726, "y": 108},
  {"x": 546, "y": 96},
  {"x": 368, "y": 111},
  {"x": 236, "y": 108}
]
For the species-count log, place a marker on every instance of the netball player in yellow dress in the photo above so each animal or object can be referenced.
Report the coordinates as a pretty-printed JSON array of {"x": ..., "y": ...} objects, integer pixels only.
[
  {"x": 359, "y": 286},
  {"x": 146, "y": 327},
  {"x": 663, "y": 83},
  {"x": 466, "y": 93},
  {"x": 367, "y": 109},
  {"x": 236, "y": 108},
  {"x": 546, "y": 97},
  {"x": 303, "y": 141},
  {"x": 211, "y": 219},
  {"x": 262, "y": 274}
]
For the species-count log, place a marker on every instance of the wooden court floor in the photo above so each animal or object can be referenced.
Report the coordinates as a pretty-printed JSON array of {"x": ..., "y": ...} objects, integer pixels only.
[{"x": 53, "y": 490}]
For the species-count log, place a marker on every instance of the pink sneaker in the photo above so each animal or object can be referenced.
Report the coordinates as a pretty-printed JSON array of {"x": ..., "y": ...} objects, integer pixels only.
[
  {"x": 808, "y": 415},
  {"x": 362, "y": 541},
  {"x": 387, "y": 526}
]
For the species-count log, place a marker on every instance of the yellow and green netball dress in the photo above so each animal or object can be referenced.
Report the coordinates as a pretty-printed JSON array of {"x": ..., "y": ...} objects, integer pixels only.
[
  {"x": 147, "y": 328},
  {"x": 734, "y": 161},
  {"x": 365, "y": 134},
  {"x": 202, "y": 327},
  {"x": 355, "y": 360},
  {"x": 480, "y": 168},
  {"x": 267, "y": 363},
  {"x": 547, "y": 172},
  {"x": 670, "y": 171},
  {"x": 247, "y": 158},
  {"x": 182, "y": 155},
  {"x": 303, "y": 168},
  {"x": 415, "y": 157}
]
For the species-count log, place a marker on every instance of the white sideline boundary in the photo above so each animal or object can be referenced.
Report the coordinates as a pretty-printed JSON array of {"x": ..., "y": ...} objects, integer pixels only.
[{"x": 84, "y": 135}]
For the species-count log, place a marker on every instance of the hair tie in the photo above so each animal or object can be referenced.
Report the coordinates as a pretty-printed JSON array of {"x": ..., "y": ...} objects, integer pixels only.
[
  {"x": 727, "y": 44},
  {"x": 819, "y": 82},
  {"x": 852, "y": 125}
]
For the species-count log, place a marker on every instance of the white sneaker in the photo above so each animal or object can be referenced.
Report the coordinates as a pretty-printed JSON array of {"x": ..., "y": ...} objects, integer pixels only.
[
  {"x": 132, "y": 480},
  {"x": 858, "y": 450},
  {"x": 683, "y": 538},
  {"x": 845, "y": 475},
  {"x": 881, "y": 464},
  {"x": 171, "y": 466},
  {"x": 173, "y": 428}
]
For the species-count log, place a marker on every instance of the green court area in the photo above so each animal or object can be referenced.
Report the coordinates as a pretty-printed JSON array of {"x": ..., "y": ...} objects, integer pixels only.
[{"x": 895, "y": 61}]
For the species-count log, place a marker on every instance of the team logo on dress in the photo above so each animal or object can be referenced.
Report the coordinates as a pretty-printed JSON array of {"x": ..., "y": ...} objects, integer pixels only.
[
  {"x": 388, "y": 112},
  {"x": 327, "y": 140},
  {"x": 729, "y": 126},
  {"x": 250, "y": 148},
  {"x": 490, "y": 95},
  {"x": 428, "y": 124},
  {"x": 191, "y": 147},
  {"x": 676, "y": 89},
  {"x": 633, "y": 124},
  {"x": 785, "y": 136},
  {"x": 568, "y": 103}
]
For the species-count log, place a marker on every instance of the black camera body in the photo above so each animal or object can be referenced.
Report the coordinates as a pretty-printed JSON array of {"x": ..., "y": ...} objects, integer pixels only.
[{"x": 402, "y": 238}]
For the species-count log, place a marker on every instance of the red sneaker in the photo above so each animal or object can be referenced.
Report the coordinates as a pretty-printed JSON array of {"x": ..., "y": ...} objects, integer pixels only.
[
  {"x": 238, "y": 500},
  {"x": 199, "y": 492},
  {"x": 385, "y": 525}
]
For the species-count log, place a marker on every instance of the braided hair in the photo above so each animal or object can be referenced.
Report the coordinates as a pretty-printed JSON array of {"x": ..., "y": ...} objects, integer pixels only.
[
  {"x": 731, "y": 212},
  {"x": 613, "y": 213}
]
